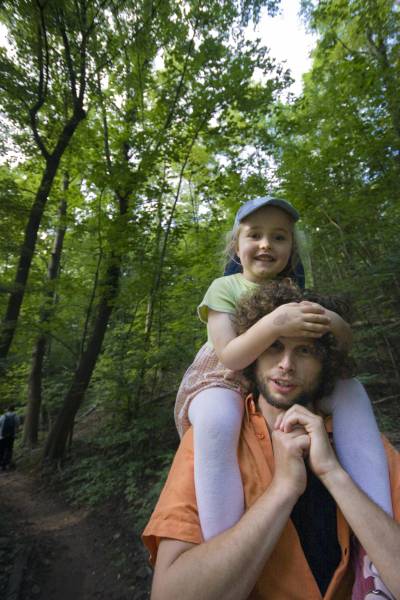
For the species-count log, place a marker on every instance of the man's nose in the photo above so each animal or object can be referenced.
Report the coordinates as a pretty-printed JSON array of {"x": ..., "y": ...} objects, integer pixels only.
[{"x": 286, "y": 362}]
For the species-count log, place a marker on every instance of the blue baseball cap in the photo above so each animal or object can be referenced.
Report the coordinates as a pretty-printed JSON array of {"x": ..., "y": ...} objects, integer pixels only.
[{"x": 252, "y": 205}]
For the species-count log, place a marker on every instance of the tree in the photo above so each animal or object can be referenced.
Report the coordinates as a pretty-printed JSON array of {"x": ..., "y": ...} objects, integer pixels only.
[
  {"x": 149, "y": 122},
  {"x": 45, "y": 91},
  {"x": 338, "y": 156},
  {"x": 31, "y": 423}
]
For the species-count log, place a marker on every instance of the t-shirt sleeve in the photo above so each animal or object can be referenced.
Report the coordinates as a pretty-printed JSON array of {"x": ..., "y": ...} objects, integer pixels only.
[
  {"x": 219, "y": 296},
  {"x": 175, "y": 515}
]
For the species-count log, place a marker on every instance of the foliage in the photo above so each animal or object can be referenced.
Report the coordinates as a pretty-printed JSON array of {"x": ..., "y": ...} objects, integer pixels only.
[
  {"x": 339, "y": 159},
  {"x": 124, "y": 466},
  {"x": 177, "y": 133}
]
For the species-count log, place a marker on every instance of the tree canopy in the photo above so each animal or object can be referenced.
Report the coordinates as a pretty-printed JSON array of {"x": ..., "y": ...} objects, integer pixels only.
[{"x": 131, "y": 133}]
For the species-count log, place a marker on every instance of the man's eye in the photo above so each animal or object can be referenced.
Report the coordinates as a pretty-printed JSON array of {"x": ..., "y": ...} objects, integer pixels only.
[
  {"x": 280, "y": 238},
  {"x": 277, "y": 345},
  {"x": 254, "y": 236},
  {"x": 305, "y": 350}
]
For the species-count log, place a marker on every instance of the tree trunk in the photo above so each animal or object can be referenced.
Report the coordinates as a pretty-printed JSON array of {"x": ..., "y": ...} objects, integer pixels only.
[
  {"x": 63, "y": 426},
  {"x": 31, "y": 424},
  {"x": 58, "y": 437},
  {"x": 10, "y": 320}
]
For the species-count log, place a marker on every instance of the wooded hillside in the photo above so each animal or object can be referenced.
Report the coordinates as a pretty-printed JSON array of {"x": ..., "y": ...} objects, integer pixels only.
[{"x": 131, "y": 133}]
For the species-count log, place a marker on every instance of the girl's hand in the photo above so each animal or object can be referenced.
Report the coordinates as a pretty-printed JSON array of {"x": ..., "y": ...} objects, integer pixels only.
[
  {"x": 301, "y": 319},
  {"x": 340, "y": 329}
]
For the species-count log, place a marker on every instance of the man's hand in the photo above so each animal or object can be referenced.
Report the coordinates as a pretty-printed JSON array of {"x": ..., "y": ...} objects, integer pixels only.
[
  {"x": 300, "y": 319},
  {"x": 321, "y": 456},
  {"x": 290, "y": 449}
]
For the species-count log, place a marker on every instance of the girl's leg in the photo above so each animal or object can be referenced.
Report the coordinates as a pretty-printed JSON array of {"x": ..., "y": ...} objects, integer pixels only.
[
  {"x": 360, "y": 451},
  {"x": 216, "y": 415},
  {"x": 358, "y": 442}
]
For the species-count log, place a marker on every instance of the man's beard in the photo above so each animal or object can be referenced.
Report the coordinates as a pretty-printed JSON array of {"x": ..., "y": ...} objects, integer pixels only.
[{"x": 306, "y": 398}]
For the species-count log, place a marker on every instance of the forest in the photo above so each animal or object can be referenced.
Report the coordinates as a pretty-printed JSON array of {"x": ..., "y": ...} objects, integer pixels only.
[{"x": 131, "y": 132}]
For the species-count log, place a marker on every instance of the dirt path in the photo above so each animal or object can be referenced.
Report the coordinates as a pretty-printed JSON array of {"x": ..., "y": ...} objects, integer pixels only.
[{"x": 59, "y": 553}]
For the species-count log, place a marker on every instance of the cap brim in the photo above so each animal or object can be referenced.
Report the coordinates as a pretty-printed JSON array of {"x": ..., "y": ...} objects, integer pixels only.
[{"x": 252, "y": 205}]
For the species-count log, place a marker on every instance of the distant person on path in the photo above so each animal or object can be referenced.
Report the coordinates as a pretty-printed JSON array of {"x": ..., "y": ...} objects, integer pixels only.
[
  {"x": 263, "y": 247},
  {"x": 295, "y": 539},
  {"x": 9, "y": 423}
]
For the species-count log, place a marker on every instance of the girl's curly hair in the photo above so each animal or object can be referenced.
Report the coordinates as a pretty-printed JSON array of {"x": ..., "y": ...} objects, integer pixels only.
[{"x": 336, "y": 362}]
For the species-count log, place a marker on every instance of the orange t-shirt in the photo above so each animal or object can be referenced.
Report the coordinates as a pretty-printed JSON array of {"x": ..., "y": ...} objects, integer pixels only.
[{"x": 286, "y": 575}]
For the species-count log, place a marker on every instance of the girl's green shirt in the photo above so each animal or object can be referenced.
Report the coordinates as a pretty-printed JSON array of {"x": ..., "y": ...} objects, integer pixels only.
[{"x": 223, "y": 296}]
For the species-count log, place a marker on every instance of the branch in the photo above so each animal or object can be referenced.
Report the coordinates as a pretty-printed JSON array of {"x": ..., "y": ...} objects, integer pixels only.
[
  {"x": 180, "y": 83},
  {"x": 171, "y": 393},
  {"x": 392, "y": 321},
  {"x": 36, "y": 135},
  {"x": 68, "y": 57},
  {"x": 46, "y": 46},
  {"x": 378, "y": 49},
  {"x": 179, "y": 87},
  {"x": 55, "y": 337},
  {"x": 380, "y": 400},
  {"x": 86, "y": 414},
  {"x": 349, "y": 50},
  {"x": 92, "y": 24},
  {"x": 95, "y": 283},
  {"x": 107, "y": 151},
  {"x": 82, "y": 56},
  {"x": 169, "y": 222},
  {"x": 41, "y": 93},
  {"x": 86, "y": 32},
  {"x": 390, "y": 79}
]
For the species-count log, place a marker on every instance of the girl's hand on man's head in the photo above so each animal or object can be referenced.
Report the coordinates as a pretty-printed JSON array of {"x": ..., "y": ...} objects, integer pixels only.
[
  {"x": 300, "y": 319},
  {"x": 340, "y": 329}
]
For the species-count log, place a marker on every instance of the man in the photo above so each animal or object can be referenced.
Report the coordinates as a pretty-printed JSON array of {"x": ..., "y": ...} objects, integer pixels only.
[
  {"x": 292, "y": 543},
  {"x": 9, "y": 423}
]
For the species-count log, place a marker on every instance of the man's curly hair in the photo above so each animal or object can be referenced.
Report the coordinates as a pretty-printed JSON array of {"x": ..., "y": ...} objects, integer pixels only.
[{"x": 336, "y": 362}]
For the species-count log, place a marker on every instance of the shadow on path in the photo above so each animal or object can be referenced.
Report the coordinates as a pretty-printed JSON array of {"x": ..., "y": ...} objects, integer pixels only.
[{"x": 49, "y": 551}]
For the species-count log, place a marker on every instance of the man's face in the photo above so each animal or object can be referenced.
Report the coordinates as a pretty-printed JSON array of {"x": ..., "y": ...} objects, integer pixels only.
[{"x": 289, "y": 372}]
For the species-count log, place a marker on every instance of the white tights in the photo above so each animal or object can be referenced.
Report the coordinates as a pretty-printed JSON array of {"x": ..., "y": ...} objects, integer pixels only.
[
  {"x": 358, "y": 443},
  {"x": 216, "y": 415}
]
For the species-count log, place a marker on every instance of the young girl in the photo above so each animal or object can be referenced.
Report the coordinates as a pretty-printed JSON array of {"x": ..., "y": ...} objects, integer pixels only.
[{"x": 210, "y": 397}]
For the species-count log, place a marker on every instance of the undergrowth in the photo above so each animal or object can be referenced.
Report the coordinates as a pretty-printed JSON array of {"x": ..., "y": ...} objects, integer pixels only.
[{"x": 119, "y": 467}]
